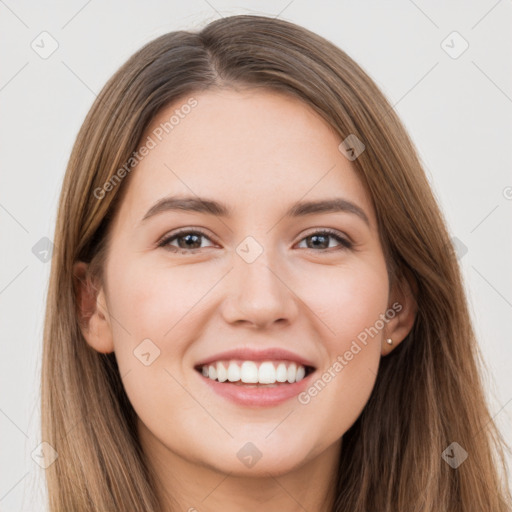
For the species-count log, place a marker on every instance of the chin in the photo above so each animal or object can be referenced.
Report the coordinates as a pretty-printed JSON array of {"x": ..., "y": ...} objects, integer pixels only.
[
  {"x": 268, "y": 465},
  {"x": 256, "y": 459}
]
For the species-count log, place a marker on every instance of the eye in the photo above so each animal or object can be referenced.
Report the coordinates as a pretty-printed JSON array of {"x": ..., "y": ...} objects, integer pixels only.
[
  {"x": 187, "y": 240},
  {"x": 320, "y": 240}
]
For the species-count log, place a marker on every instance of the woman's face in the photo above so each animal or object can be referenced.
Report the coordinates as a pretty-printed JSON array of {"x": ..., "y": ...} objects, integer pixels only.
[{"x": 258, "y": 279}]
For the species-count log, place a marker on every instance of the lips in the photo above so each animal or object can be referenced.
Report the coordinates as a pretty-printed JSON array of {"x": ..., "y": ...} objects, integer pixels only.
[
  {"x": 258, "y": 394},
  {"x": 281, "y": 375}
]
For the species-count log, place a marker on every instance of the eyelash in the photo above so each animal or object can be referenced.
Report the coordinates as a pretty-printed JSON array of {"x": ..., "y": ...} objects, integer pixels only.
[{"x": 346, "y": 244}]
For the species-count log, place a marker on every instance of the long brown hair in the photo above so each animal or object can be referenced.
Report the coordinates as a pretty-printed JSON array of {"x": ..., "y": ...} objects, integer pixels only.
[{"x": 428, "y": 391}]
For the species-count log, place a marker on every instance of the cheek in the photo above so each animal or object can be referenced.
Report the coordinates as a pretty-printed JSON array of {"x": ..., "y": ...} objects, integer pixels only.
[
  {"x": 348, "y": 299},
  {"x": 349, "y": 302},
  {"x": 156, "y": 311},
  {"x": 154, "y": 302}
]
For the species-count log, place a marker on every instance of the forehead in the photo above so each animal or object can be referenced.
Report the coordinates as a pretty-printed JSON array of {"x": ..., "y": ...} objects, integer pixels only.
[{"x": 256, "y": 150}]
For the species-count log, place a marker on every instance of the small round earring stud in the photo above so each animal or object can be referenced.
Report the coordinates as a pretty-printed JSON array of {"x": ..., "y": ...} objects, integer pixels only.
[{"x": 389, "y": 341}]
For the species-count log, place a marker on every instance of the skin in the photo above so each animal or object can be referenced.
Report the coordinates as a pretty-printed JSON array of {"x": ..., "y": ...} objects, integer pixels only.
[{"x": 258, "y": 152}]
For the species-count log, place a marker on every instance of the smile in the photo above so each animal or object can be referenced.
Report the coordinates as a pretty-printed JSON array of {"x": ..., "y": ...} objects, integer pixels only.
[
  {"x": 255, "y": 372},
  {"x": 256, "y": 384}
]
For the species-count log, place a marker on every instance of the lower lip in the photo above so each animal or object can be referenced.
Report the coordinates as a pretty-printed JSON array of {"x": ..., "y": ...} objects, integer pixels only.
[{"x": 260, "y": 396}]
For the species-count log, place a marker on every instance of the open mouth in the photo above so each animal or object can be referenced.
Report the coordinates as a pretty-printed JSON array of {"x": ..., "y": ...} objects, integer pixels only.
[{"x": 255, "y": 373}]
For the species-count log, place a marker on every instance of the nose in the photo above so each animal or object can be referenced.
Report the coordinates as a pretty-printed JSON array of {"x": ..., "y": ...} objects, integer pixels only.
[{"x": 258, "y": 294}]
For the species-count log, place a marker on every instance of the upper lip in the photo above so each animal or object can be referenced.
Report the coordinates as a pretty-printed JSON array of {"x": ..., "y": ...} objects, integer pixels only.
[{"x": 253, "y": 354}]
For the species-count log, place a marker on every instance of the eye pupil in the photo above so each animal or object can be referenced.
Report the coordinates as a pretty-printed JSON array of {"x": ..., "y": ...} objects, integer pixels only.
[
  {"x": 316, "y": 237},
  {"x": 188, "y": 237}
]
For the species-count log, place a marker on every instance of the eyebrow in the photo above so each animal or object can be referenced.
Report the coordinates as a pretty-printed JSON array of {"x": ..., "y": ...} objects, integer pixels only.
[{"x": 212, "y": 207}]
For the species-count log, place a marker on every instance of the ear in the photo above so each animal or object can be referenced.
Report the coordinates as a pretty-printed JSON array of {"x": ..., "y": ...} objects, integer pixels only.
[
  {"x": 92, "y": 310},
  {"x": 403, "y": 303}
]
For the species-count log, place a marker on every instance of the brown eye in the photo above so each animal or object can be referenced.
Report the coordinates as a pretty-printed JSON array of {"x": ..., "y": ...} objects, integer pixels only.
[
  {"x": 189, "y": 241},
  {"x": 320, "y": 240}
]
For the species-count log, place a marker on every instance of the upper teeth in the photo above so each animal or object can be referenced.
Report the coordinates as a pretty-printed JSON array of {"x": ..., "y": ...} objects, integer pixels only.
[{"x": 249, "y": 372}]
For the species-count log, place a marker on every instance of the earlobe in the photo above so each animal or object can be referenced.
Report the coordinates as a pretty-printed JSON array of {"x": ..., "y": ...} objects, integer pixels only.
[
  {"x": 403, "y": 298},
  {"x": 92, "y": 310}
]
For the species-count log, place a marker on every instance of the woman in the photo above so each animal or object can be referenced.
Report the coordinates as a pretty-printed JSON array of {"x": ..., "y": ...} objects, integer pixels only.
[{"x": 254, "y": 301}]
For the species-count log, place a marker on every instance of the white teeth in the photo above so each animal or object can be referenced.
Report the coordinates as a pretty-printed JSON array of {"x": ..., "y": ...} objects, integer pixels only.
[
  {"x": 292, "y": 371},
  {"x": 281, "y": 373},
  {"x": 222, "y": 373},
  {"x": 267, "y": 373},
  {"x": 233, "y": 372},
  {"x": 249, "y": 372}
]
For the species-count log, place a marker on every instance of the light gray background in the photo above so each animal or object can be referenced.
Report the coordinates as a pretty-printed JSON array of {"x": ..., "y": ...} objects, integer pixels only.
[{"x": 457, "y": 110}]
